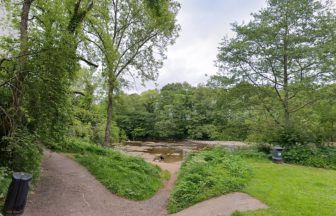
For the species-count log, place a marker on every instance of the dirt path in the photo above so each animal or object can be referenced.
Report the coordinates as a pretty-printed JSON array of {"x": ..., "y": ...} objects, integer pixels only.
[
  {"x": 223, "y": 206},
  {"x": 68, "y": 189}
]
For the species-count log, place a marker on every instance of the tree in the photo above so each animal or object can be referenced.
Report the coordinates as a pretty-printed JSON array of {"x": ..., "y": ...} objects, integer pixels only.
[
  {"x": 174, "y": 112},
  {"x": 130, "y": 37},
  {"x": 288, "y": 46},
  {"x": 37, "y": 68},
  {"x": 37, "y": 65}
]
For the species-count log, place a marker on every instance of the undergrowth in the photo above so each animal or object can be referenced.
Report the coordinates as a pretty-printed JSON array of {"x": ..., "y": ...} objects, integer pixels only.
[{"x": 4, "y": 184}]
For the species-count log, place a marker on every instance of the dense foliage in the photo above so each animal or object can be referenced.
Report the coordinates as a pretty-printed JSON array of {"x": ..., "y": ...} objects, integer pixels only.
[
  {"x": 234, "y": 112},
  {"x": 310, "y": 155},
  {"x": 4, "y": 184},
  {"x": 47, "y": 62},
  {"x": 23, "y": 154},
  {"x": 37, "y": 65},
  {"x": 207, "y": 174}
]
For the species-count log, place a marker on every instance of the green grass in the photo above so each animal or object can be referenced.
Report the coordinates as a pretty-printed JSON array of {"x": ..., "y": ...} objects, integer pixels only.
[
  {"x": 127, "y": 176},
  {"x": 207, "y": 174},
  {"x": 291, "y": 190},
  {"x": 4, "y": 184}
]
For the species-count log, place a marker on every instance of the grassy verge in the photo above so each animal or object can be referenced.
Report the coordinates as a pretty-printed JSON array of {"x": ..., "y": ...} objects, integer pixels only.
[
  {"x": 123, "y": 175},
  {"x": 207, "y": 174},
  {"x": 291, "y": 190}
]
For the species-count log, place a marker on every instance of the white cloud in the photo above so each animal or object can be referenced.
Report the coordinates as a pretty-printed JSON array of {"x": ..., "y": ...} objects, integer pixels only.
[{"x": 204, "y": 24}]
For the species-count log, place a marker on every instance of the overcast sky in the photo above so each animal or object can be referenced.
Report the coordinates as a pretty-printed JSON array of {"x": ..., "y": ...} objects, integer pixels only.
[{"x": 204, "y": 23}]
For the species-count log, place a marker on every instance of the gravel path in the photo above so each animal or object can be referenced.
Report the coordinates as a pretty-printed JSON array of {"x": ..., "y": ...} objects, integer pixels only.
[{"x": 67, "y": 189}]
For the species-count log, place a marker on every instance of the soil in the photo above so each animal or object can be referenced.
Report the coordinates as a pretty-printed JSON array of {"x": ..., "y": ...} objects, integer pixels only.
[{"x": 67, "y": 189}]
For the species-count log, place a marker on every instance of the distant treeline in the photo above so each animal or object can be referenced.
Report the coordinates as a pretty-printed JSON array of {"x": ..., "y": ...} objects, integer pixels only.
[{"x": 218, "y": 110}]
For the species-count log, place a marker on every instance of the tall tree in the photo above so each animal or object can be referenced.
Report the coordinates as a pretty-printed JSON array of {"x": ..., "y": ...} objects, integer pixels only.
[
  {"x": 131, "y": 38},
  {"x": 37, "y": 67},
  {"x": 22, "y": 60},
  {"x": 289, "y": 45}
]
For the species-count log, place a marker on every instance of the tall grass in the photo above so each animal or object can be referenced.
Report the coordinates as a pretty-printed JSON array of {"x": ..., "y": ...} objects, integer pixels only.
[
  {"x": 127, "y": 176},
  {"x": 207, "y": 174}
]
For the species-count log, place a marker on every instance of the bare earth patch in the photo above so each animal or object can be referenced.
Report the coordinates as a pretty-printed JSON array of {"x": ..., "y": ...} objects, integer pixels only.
[{"x": 67, "y": 189}]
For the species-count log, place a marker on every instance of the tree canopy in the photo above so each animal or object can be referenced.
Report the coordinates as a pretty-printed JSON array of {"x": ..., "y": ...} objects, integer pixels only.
[
  {"x": 130, "y": 38},
  {"x": 289, "y": 46}
]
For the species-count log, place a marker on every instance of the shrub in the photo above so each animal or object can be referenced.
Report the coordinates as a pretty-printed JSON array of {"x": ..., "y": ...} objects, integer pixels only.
[
  {"x": 252, "y": 152},
  {"x": 311, "y": 155},
  {"x": 4, "y": 184},
  {"x": 293, "y": 136},
  {"x": 264, "y": 148},
  {"x": 207, "y": 174},
  {"x": 22, "y": 153}
]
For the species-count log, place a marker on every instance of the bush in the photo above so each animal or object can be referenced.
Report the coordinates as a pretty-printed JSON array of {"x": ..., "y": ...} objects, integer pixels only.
[
  {"x": 207, "y": 174},
  {"x": 311, "y": 155},
  {"x": 293, "y": 136},
  {"x": 22, "y": 153},
  {"x": 264, "y": 148},
  {"x": 4, "y": 184},
  {"x": 253, "y": 152}
]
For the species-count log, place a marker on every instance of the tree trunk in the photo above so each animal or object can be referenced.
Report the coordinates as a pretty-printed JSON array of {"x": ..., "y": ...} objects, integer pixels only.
[
  {"x": 17, "y": 88},
  {"x": 285, "y": 81},
  {"x": 286, "y": 97},
  {"x": 107, "y": 139}
]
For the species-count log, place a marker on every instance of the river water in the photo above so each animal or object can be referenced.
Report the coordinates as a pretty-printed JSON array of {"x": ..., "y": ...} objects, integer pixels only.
[
  {"x": 168, "y": 152},
  {"x": 171, "y": 152}
]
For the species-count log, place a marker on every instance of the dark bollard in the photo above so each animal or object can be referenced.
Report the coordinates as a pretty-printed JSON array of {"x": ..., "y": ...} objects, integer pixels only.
[
  {"x": 277, "y": 154},
  {"x": 17, "y": 194}
]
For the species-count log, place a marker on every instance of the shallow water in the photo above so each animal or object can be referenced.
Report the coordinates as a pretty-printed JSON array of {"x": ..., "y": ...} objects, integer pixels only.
[{"x": 168, "y": 152}]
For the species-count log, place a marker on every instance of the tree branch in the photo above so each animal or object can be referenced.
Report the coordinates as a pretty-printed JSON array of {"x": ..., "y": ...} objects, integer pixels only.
[
  {"x": 134, "y": 54},
  {"x": 88, "y": 62}
]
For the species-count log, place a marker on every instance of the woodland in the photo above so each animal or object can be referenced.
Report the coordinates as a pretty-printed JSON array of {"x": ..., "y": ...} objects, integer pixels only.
[{"x": 66, "y": 65}]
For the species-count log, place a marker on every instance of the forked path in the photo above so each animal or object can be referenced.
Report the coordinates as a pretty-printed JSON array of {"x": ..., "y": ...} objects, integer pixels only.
[{"x": 67, "y": 189}]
